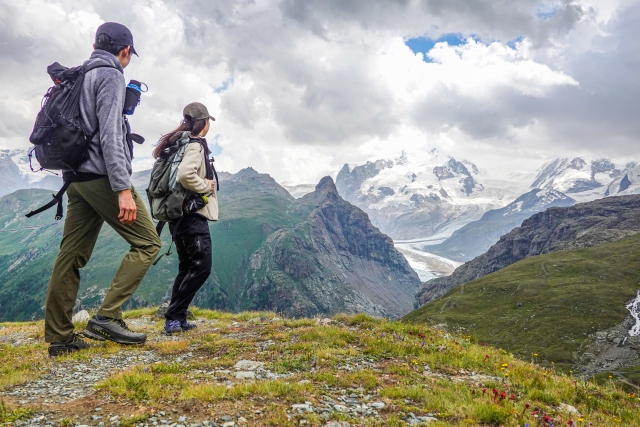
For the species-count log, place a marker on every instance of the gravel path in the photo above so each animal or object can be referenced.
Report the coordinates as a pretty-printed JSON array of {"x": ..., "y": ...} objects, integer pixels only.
[{"x": 72, "y": 379}]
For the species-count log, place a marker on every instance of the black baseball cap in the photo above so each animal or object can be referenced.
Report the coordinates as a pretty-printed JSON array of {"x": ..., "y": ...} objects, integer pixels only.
[{"x": 118, "y": 34}]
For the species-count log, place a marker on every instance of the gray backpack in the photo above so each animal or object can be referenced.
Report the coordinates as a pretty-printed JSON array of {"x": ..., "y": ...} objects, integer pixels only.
[{"x": 166, "y": 195}]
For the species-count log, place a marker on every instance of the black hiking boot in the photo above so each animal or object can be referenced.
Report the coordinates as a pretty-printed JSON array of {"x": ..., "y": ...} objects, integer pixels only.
[
  {"x": 104, "y": 328},
  {"x": 72, "y": 345}
]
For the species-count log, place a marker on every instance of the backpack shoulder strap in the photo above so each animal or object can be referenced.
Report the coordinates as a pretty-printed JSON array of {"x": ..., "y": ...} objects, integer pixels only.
[
  {"x": 97, "y": 65},
  {"x": 84, "y": 72}
]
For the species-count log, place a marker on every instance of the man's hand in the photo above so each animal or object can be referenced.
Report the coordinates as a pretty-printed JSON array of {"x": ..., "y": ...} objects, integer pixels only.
[
  {"x": 213, "y": 185},
  {"x": 127, "y": 207}
]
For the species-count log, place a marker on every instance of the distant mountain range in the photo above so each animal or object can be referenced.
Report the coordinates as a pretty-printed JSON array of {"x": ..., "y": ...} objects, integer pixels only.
[
  {"x": 438, "y": 204},
  {"x": 423, "y": 193},
  {"x": 317, "y": 255}
]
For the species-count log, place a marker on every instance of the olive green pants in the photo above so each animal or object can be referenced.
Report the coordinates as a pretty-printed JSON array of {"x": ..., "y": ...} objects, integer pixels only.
[{"x": 91, "y": 204}]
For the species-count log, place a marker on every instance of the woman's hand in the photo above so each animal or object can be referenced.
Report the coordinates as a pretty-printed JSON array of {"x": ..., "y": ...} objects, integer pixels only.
[{"x": 213, "y": 185}]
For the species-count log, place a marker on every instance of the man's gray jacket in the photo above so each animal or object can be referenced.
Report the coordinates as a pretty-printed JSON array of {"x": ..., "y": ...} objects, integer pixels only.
[{"x": 101, "y": 106}]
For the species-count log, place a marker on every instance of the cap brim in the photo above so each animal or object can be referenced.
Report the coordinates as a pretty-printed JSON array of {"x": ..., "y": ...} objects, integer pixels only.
[
  {"x": 212, "y": 118},
  {"x": 134, "y": 51}
]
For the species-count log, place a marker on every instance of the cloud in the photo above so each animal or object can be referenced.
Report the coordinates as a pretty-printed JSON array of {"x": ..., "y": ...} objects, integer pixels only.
[{"x": 300, "y": 87}]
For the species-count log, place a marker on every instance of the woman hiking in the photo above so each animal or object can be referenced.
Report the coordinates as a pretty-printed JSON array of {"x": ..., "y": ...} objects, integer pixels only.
[{"x": 191, "y": 232}]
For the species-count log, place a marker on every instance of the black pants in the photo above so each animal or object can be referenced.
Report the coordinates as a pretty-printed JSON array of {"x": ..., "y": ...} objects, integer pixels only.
[{"x": 193, "y": 244}]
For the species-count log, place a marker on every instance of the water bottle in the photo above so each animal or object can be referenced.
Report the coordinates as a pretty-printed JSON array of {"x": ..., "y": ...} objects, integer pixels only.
[{"x": 132, "y": 96}]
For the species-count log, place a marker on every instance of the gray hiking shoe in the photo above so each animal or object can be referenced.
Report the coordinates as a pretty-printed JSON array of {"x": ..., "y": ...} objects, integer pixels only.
[
  {"x": 72, "y": 345},
  {"x": 104, "y": 328}
]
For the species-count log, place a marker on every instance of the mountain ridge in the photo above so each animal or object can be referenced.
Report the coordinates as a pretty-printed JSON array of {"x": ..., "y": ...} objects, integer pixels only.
[{"x": 578, "y": 226}]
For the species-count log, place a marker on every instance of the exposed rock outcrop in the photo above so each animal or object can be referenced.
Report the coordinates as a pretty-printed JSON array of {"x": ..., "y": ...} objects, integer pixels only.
[{"x": 609, "y": 350}]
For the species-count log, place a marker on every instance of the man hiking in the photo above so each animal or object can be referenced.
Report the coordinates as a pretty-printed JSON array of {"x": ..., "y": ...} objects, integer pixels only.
[{"x": 101, "y": 192}]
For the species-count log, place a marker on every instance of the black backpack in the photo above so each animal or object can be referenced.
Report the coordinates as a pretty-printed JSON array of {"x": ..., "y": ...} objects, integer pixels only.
[{"x": 61, "y": 142}]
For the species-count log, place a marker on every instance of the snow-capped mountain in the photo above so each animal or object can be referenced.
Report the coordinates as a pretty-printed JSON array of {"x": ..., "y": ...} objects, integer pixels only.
[
  {"x": 627, "y": 182},
  {"x": 421, "y": 194},
  {"x": 16, "y": 173},
  {"x": 587, "y": 180},
  {"x": 426, "y": 196}
]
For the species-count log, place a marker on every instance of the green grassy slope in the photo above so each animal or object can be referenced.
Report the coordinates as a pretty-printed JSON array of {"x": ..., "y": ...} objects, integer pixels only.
[{"x": 545, "y": 304}]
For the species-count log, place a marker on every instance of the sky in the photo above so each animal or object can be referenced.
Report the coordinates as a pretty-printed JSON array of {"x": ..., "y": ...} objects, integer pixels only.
[{"x": 301, "y": 87}]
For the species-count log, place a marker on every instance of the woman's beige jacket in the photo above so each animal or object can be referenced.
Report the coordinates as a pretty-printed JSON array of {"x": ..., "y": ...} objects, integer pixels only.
[{"x": 192, "y": 173}]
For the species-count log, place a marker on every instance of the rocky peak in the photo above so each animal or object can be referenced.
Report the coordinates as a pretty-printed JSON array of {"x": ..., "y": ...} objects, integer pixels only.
[
  {"x": 577, "y": 163},
  {"x": 259, "y": 181},
  {"x": 350, "y": 180},
  {"x": 602, "y": 166},
  {"x": 326, "y": 185},
  {"x": 403, "y": 159},
  {"x": 453, "y": 169}
]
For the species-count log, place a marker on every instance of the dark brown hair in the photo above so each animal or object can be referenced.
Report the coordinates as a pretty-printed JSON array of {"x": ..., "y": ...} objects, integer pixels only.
[{"x": 187, "y": 125}]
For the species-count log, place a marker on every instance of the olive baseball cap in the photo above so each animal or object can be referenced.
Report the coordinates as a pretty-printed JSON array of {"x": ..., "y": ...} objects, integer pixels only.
[
  {"x": 197, "y": 111},
  {"x": 119, "y": 35}
]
